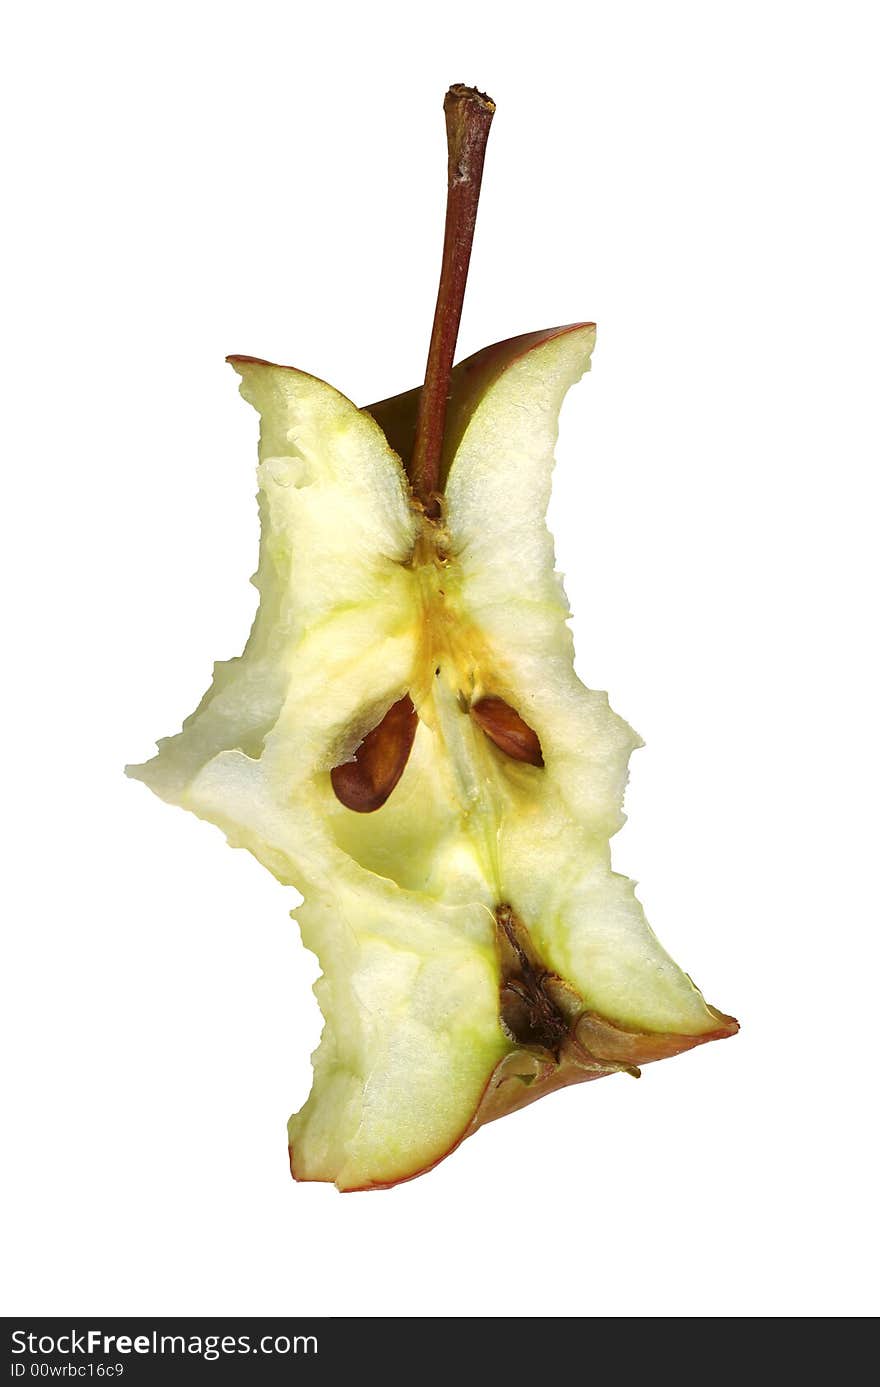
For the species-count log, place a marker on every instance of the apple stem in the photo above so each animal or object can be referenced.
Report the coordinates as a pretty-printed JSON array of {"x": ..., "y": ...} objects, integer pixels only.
[{"x": 468, "y": 118}]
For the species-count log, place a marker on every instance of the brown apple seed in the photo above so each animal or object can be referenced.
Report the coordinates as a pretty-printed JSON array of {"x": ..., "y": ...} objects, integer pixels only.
[
  {"x": 504, "y": 726},
  {"x": 365, "y": 783}
]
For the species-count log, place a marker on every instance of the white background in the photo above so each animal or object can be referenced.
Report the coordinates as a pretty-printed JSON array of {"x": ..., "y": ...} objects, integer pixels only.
[{"x": 185, "y": 181}]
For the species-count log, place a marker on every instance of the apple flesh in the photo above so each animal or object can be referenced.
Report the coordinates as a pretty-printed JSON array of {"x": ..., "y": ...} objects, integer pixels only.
[{"x": 477, "y": 948}]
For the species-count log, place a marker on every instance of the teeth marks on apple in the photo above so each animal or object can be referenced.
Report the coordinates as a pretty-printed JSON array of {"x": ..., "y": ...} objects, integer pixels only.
[
  {"x": 510, "y": 733},
  {"x": 365, "y": 783}
]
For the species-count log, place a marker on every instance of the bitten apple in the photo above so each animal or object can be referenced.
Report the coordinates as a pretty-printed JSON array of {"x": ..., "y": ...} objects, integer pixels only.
[{"x": 405, "y": 740}]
